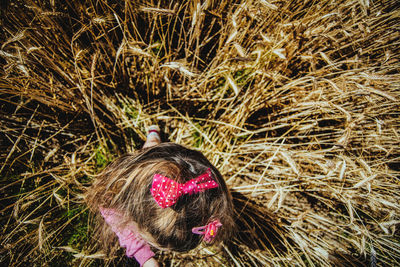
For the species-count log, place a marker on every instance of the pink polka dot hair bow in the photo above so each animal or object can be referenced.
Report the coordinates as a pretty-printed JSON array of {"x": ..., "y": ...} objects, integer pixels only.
[
  {"x": 209, "y": 231},
  {"x": 166, "y": 192}
]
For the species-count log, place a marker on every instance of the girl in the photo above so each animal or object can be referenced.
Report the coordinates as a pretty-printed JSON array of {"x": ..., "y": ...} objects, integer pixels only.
[{"x": 165, "y": 197}]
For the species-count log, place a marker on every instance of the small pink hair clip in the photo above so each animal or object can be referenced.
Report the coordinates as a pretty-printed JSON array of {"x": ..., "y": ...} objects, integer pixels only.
[{"x": 209, "y": 231}]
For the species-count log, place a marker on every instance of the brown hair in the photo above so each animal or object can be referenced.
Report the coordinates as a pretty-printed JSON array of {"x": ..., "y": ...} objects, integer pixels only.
[{"x": 125, "y": 185}]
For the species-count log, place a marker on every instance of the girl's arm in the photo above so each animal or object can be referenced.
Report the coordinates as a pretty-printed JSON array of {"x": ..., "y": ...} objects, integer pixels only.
[{"x": 151, "y": 263}]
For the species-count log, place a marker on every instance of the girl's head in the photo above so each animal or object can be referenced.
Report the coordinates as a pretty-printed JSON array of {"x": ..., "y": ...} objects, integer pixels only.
[{"x": 125, "y": 186}]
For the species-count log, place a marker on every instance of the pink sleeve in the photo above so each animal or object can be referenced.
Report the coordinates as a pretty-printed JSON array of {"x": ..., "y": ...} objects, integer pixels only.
[
  {"x": 143, "y": 254},
  {"x": 128, "y": 238}
]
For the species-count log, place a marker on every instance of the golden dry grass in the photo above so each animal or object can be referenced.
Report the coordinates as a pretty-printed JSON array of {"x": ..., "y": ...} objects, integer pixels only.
[{"x": 296, "y": 102}]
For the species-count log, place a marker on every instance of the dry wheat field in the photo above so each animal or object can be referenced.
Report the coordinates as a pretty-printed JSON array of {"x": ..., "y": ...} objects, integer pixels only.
[{"x": 296, "y": 102}]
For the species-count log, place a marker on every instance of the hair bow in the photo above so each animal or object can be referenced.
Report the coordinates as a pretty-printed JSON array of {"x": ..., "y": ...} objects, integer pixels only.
[
  {"x": 209, "y": 231},
  {"x": 166, "y": 192}
]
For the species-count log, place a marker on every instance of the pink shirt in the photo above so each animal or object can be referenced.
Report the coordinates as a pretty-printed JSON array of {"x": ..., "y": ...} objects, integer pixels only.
[{"x": 128, "y": 236}]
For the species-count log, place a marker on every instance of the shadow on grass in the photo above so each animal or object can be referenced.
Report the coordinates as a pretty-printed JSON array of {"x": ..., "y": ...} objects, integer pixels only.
[
  {"x": 256, "y": 229},
  {"x": 261, "y": 230}
]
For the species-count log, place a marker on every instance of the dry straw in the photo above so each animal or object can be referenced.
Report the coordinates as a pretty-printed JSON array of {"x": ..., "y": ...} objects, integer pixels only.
[{"x": 296, "y": 102}]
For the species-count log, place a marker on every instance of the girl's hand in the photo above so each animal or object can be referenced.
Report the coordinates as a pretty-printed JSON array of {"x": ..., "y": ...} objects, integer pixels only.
[{"x": 151, "y": 263}]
